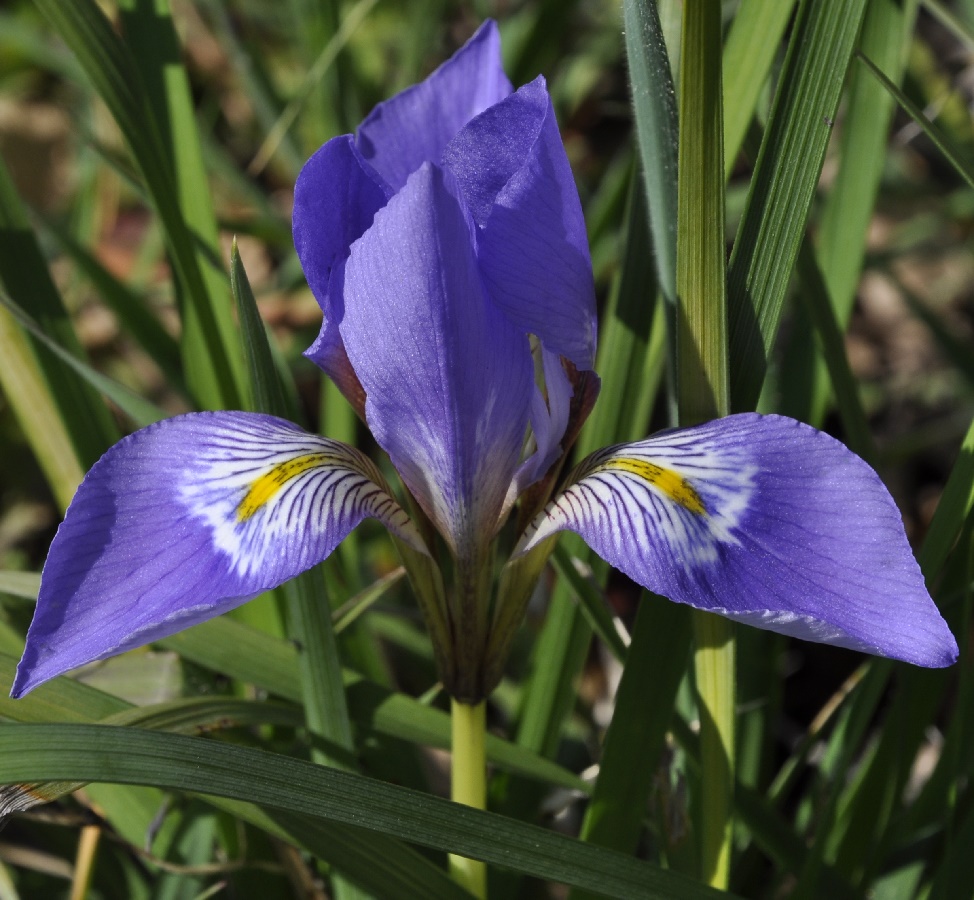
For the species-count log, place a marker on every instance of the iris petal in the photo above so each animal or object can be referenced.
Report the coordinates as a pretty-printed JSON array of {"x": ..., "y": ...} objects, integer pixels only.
[
  {"x": 335, "y": 199},
  {"x": 533, "y": 249},
  {"x": 186, "y": 519},
  {"x": 415, "y": 126},
  {"x": 763, "y": 520},
  {"x": 448, "y": 377}
]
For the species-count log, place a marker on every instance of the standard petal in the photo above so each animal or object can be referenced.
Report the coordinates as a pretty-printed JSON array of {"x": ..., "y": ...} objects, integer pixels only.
[
  {"x": 335, "y": 200},
  {"x": 448, "y": 377},
  {"x": 764, "y": 520},
  {"x": 533, "y": 248},
  {"x": 186, "y": 519},
  {"x": 415, "y": 126}
]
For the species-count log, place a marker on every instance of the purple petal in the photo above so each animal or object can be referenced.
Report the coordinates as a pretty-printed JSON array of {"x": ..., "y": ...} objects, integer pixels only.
[
  {"x": 448, "y": 377},
  {"x": 335, "y": 200},
  {"x": 415, "y": 126},
  {"x": 549, "y": 421},
  {"x": 764, "y": 520},
  {"x": 533, "y": 249},
  {"x": 186, "y": 519}
]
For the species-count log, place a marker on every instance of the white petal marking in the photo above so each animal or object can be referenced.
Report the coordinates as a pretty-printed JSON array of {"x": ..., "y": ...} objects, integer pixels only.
[
  {"x": 263, "y": 491},
  {"x": 669, "y": 489}
]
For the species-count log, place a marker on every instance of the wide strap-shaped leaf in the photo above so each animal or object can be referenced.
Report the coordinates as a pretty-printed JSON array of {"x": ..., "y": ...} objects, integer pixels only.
[
  {"x": 762, "y": 519},
  {"x": 187, "y": 519}
]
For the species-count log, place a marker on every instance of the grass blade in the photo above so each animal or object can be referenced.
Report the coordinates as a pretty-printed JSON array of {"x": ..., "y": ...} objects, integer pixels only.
[
  {"x": 783, "y": 186},
  {"x": 210, "y": 348},
  {"x": 132, "y": 756},
  {"x": 656, "y": 127}
]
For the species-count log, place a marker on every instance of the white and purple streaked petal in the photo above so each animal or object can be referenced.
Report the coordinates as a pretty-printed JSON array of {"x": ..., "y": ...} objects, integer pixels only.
[
  {"x": 762, "y": 519},
  {"x": 415, "y": 126},
  {"x": 187, "y": 519},
  {"x": 533, "y": 248},
  {"x": 448, "y": 377}
]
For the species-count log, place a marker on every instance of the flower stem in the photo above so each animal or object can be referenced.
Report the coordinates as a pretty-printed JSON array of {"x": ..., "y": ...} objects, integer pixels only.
[
  {"x": 469, "y": 784},
  {"x": 703, "y": 391},
  {"x": 713, "y": 661}
]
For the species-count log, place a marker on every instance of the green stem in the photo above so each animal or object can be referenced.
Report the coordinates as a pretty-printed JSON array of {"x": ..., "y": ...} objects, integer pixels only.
[
  {"x": 469, "y": 784},
  {"x": 703, "y": 391},
  {"x": 713, "y": 661}
]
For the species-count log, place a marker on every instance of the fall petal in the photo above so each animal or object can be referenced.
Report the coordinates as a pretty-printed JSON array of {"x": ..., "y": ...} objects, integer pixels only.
[
  {"x": 187, "y": 519},
  {"x": 764, "y": 520}
]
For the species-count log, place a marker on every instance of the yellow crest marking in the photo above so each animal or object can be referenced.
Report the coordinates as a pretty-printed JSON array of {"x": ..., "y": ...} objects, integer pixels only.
[
  {"x": 268, "y": 484},
  {"x": 670, "y": 483}
]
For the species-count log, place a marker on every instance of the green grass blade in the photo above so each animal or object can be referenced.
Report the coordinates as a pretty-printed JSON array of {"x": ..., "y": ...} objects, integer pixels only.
[
  {"x": 137, "y": 408},
  {"x": 957, "y": 158},
  {"x": 752, "y": 44},
  {"x": 656, "y": 128},
  {"x": 848, "y": 207},
  {"x": 25, "y": 277},
  {"x": 210, "y": 348},
  {"x": 703, "y": 393},
  {"x": 631, "y": 340},
  {"x": 886, "y": 32},
  {"x": 29, "y": 396},
  {"x": 634, "y": 741},
  {"x": 590, "y": 599},
  {"x": 265, "y": 386},
  {"x": 783, "y": 186},
  {"x": 132, "y": 756},
  {"x": 379, "y": 863},
  {"x": 815, "y": 296},
  {"x": 128, "y": 306},
  {"x": 305, "y": 597},
  {"x": 20, "y": 584},
  {"x": 151, "y": 37},
  {"x": 952, "y": 511},
  {"x": 350, "y": 22},
  {"x": 702, "y": 376},
  {"x": 239, "y": 652}
]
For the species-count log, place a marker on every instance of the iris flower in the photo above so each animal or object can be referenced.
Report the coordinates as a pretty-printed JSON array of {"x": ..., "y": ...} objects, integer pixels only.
[{"x": 445, "y": 244}]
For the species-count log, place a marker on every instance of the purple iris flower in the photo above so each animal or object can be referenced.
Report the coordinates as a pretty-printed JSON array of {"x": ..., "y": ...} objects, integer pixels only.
[{"x": 446, "y": 246}]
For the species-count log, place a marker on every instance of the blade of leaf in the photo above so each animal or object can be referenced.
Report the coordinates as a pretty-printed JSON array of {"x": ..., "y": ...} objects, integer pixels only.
[
  {"x": 150, "y": 35},
  {"x": 784, "y": 182},
  {"x": 141, "y": 411},
  {"x": 127, "y": 305},
  {"x": 210, "y": 349},
  {"x": 133, "y": 756},
  {"x": 703, "y": 393},
  {"x": 24, "y": 276},
  {"x": 28, "y": 394},
  {"x": 654, "y": 107},
  {"x": 749, "y": 52},
  {"x": 378, "y": 863},
  {"x": 247, "y": 655},
  {"x": 952, "y": 510},
  {"x": 635, "y": 738},
  {"x": 957, "y": 159}
]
